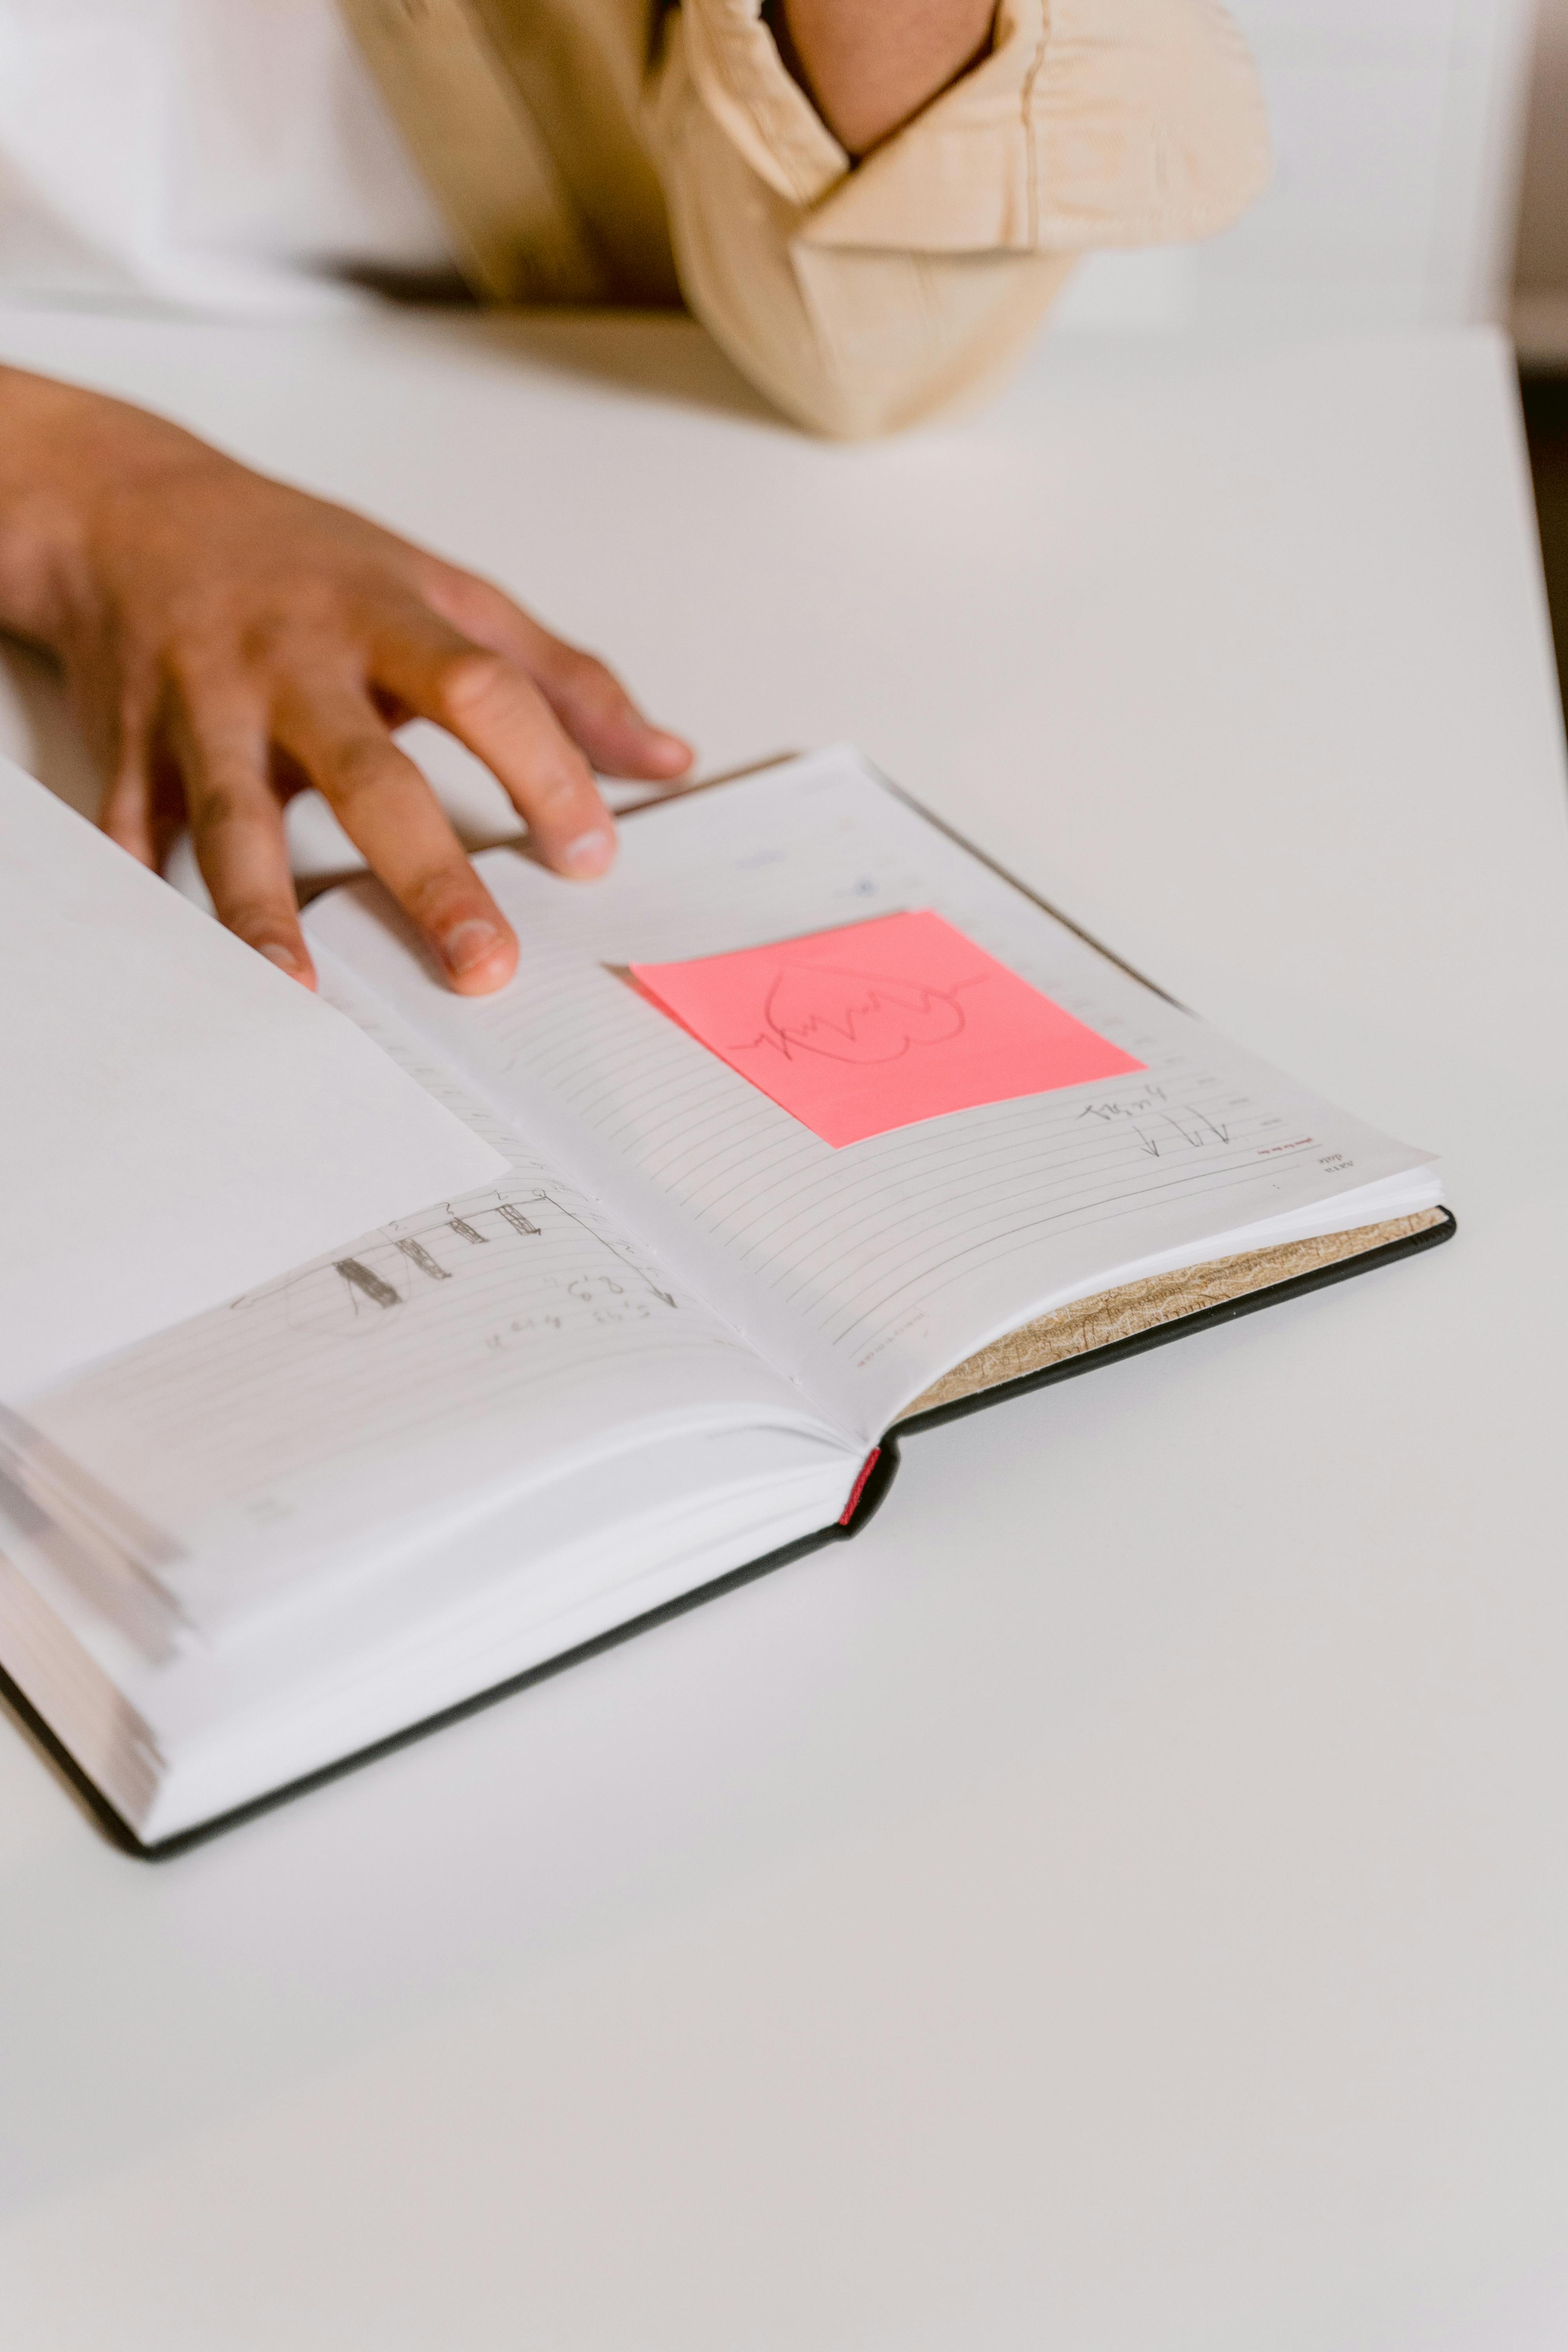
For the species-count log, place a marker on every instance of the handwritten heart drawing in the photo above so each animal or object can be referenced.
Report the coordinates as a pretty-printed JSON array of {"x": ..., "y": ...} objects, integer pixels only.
[
  {"x": 856, "y": 1016},
  {"x": 928, "y": 1024}
]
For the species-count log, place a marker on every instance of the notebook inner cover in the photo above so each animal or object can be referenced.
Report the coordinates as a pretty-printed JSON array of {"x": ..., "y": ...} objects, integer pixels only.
[{"x": 1111, "y": 1316}]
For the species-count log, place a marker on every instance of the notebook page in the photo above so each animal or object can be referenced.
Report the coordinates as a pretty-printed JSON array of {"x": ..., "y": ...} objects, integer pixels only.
[
  {"x": 866, "y": 1271},
  {"x": 178, "y": 1119},
  {"x": 489, "y": 1341}
]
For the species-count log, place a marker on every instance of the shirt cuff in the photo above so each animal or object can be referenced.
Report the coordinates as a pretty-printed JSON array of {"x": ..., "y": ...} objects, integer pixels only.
[
  {"x": 1089, "y": 123},
  {"x": 746, "y": 87}
]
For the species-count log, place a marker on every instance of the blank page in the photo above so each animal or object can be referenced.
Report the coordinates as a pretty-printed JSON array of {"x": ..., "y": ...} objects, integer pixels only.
[{"x": 181, "y": 1121}]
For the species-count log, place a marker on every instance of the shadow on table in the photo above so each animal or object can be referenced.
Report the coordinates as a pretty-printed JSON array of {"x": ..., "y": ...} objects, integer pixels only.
[{"x": 661, "y": 353}]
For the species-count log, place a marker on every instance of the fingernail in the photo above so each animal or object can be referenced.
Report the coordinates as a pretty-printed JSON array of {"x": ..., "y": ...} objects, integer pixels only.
[
  {"x": 281, "y": 957},
  {"x": 468, "y": 944},
  {"x": 673, "y": 749},
  {"x": 589, "y": 854}
]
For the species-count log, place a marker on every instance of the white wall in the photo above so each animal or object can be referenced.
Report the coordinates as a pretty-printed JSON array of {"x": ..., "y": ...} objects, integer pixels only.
[
  {"x": 1542, "y": 308},
  {"x": 1397, "y": 131}
]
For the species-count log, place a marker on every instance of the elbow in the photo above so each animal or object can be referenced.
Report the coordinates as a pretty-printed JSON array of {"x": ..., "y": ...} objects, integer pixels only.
[{"x": 857, "y": 346}]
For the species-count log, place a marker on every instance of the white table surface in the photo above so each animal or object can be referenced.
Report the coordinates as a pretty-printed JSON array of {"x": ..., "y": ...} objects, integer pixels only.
[{"x": 1120, "y": 1904}]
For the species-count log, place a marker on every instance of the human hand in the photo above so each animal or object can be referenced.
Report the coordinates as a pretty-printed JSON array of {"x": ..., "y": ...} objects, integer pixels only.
[{"x": 229, "y": 641}]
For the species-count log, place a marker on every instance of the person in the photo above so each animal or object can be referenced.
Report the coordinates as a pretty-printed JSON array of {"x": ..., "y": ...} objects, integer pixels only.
[{"x": 869, "y": 204}]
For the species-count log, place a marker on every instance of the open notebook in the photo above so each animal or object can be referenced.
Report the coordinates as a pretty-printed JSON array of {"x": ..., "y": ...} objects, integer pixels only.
[{"x": 678, "y": 1340}]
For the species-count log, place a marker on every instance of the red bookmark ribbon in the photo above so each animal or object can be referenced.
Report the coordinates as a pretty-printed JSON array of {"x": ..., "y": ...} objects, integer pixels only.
[{"x": 859, "y": 1488}]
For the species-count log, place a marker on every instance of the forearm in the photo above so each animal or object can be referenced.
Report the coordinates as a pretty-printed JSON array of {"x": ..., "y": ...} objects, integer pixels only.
[{"x": 869, "y": 65}]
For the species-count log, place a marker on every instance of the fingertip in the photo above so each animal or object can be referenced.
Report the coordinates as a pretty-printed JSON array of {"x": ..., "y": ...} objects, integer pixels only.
[
  {"x": 287, "y": 960},
  {"x": 661, "y": 757},
  {"x": 592, "y": 854},
  {"x": 484, "y": 979},
  {"x": 672, "y": 752},
  {"x": 636, "y": 749},
  {"x": 479, "y": 956}
]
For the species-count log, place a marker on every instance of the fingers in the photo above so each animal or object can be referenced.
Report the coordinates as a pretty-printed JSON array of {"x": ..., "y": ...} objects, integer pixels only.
[
  {"x": 236, "y": 831},
  {"x": 126, "y": 815},
  {"x": 493, "y": 707},
  {"x": 144, "y": 801},
  {"x": 315, "y": 700},
  {"x": 389, "y": 812},
  {"x": 596, "y": 711},
  {"x": 588, "y": 700}
]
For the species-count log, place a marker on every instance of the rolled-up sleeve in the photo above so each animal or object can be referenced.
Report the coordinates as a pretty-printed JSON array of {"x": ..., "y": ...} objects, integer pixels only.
[{"x": 862, "y": 296}]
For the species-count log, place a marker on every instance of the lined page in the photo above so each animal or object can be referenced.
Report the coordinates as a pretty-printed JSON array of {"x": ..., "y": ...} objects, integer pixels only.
[
  {"x": 864, "y": 1272},
  {"x": 492, "y": 1338}
]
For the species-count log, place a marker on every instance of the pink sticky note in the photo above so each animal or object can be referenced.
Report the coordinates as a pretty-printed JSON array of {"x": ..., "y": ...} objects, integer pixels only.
[{"x": 876, "y": 1025}]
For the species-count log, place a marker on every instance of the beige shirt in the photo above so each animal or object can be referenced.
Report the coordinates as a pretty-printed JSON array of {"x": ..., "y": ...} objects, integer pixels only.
[{"x": 618, "y": 151}]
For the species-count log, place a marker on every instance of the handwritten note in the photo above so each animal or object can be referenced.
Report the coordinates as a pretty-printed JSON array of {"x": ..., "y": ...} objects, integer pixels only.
[{"x": 878, "y": 1025}]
